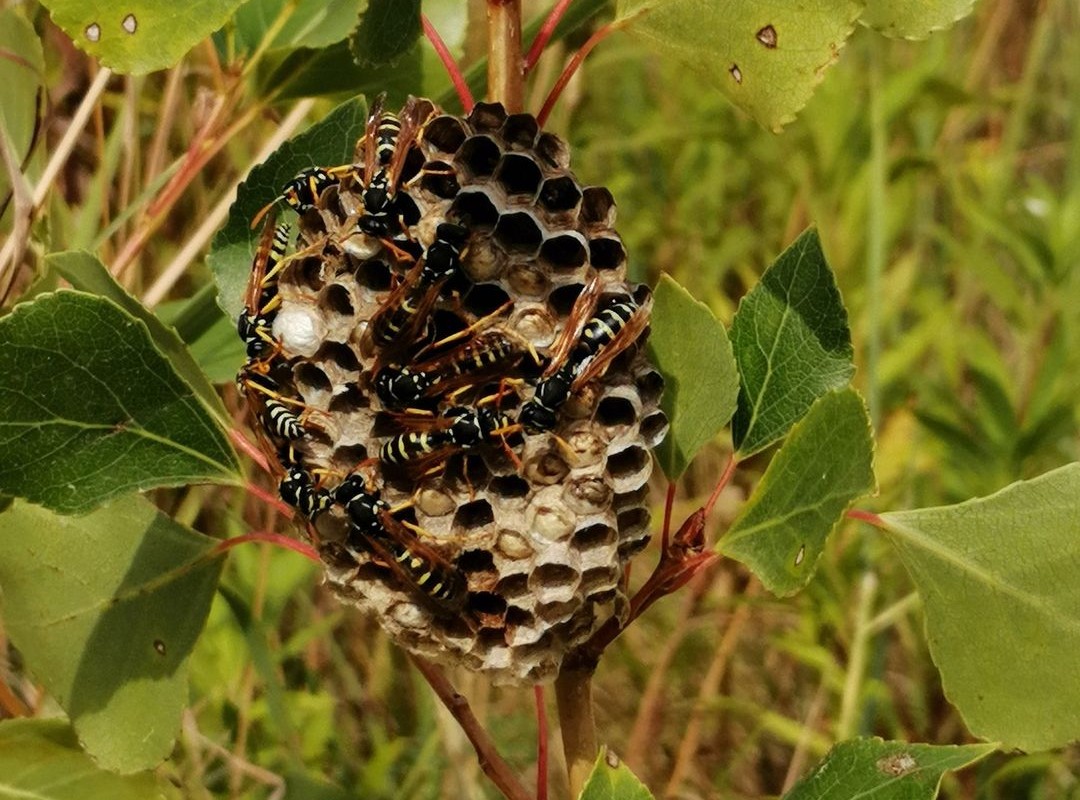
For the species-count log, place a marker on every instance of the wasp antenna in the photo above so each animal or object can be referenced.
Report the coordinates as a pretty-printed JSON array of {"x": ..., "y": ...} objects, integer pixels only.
[{"x": 262, "y": 212}]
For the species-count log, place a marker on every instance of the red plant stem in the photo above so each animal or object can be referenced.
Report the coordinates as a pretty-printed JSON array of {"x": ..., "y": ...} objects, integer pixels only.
[
  {"x": 280, "y": 540},
  {"x": 269, "y": 499},
  {"x": 451, "y": 66},
  {"x": 490, "y": 761},
  {"x": 725, "y": 478},
  {"x": 866, "y": 516},
  {"x": 10, "y": 704},
  {"x": 669, "y": 501},
  {"x": 545, "y": 33},
  {"x": 250, "y": 448},
  {"x": 541, "y": 743},
  {"x": 571, "y": 68}
]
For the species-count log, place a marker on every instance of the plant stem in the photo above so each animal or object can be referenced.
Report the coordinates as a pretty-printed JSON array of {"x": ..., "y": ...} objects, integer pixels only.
[
  {"x": 573, "y": 697},
  {"x": 541, "y": 744},
  {"x": 572, "y": 67},
  {"x": 546, "y": 31},
  {"x": 461, "y": 86},
  {"x": 491, "y": 762},
  {"x": 506, "y": 74},
  {"x": 849, "y": 703}
]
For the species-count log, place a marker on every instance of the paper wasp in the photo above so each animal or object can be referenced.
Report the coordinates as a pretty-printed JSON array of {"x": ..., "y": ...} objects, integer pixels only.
[
  {"x": 401, "y": 317},
  {"x": 457, "y": 430},
  {"x": 490, "y": 352},
  {"x": 299, "y": 490},
  {"x": 587, "y": 345},
  {"x": 303, "y": 191},
  {"x": 277, "y": 413},
  {"x": 388, "y": 141},
  {"x": 437, "y": 582}
]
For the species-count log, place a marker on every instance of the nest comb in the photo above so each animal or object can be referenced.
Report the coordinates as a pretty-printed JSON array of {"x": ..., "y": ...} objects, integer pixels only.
[{"x": 540, "y": 539}]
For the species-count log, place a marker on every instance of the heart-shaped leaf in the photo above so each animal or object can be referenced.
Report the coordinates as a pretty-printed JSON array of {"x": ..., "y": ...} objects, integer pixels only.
[
  {"x": 613, "y": 780},
  {"x": 766, "y": 57},
  {"x": 997, "y": 576},
  {"x": 388, "y": 29},
  {"x": 139, "y": 36}
]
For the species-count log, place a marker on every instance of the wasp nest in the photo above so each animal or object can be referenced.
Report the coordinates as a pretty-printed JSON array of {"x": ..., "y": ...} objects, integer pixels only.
[{"x": 472, "y": 446}]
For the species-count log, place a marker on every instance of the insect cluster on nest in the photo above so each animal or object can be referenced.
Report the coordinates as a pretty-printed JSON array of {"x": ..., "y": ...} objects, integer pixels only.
[{"x": 449, "y": 368}]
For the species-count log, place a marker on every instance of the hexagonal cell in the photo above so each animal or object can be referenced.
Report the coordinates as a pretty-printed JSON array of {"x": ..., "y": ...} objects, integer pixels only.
[
  {"x": 487, "y": 603},
  {"x": 519, "y": 131},
  {"x": 514, "y": 585},
  {"x": 518, "y": 232},
  {"x": 340, "y": 354},
  {"x": 587, "y": 494},
  {"x": 634, "y": 523},
  {"x": 509, "y": 486},
  {"x": 553, "y": 151},
  {"x": 650, "y": 384},
  {"x": 348, "y": 401},
  {"x": 597, "y": 207},
  {"x": 527, "y": 280},
  {"x": 374, "y": 275},
  {"x": 562, "y": 299},
  {"x": 471, "y": 516},
  {"x": 566, "y": 251},
  {"x": 615, "y": 411},
  {"x": 485, "y": 298},
  {"x": 519, "y": 175},
  {"x": 479, "y": 155},
  {"x": 654, "y": 428},
  {"x": 560, "y": 194},
  {"x": 628, "y": 463},
  {"x": 337, "y": 299},
  {"x": 474, "y": 209},
  {"x": 593, "y": 536},
  {"x": 445, "y": 133},
  {"x": 310, "y": 379},
  {"x": 606, "y": 253},
  {"x": 486, "y": 116},
  {"x": 440, "y": 179}
]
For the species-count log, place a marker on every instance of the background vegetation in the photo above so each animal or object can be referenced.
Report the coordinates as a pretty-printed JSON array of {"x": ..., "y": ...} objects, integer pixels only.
[{"x": 944, "y": 177}]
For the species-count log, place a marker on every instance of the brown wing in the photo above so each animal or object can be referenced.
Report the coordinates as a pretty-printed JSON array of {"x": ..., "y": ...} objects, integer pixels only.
[
  {"x": 258, "y": 267},
  {"x": 623, "y": 339},
  {"x": 413, "y": 117},
  {"x": 436, "y": 582},
  {"x": 580, "y": 314},
  {"x": 366, "y": 151}
]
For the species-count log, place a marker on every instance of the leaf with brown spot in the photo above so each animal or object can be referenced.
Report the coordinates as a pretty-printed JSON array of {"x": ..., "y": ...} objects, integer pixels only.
[{"x": 767, "y": 58}]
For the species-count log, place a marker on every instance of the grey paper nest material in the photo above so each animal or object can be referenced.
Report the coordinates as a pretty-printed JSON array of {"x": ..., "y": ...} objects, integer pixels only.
[{"x": 541, "y": 537}]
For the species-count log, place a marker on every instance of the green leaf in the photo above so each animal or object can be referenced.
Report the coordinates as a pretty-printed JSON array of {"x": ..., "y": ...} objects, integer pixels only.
[
  {"x": 825, "y": 464},
  {"x": 997, "y": 576},
  {"x": 86, "y": 273},
  {"x": 40, "y": 759},
  {"x": 613, "y": 780},
  {"x": 106, "y": 608},
  {"x": 22, "y": 68},
  {"x": 139, "y": 36},
  {"x": 701, "y": 384},
  {"x": 90, "y": 409},
  {"x": 210, "y": 335},
  {"x": 914, "y": 19},
  {"x": 311, "y": 23},
  {"x": 332, "y": 72},
  {"x": 873, "y": 769},
  {"x": 792, "y": 344},
  {"x": 326, "y": 143},
  {"x": 388, "y": 30},
  {"x": 766, "y": 57}
]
